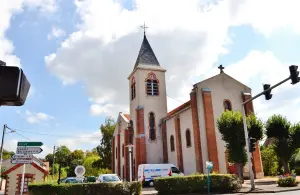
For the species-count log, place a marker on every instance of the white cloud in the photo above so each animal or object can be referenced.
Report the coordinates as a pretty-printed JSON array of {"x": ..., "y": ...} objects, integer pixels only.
[
  {"x": 37, "y": 117},
  {"x": 187, "y": 37},
  {"x": 56, "y": 33},
  {"x": 7, "y": 9},
  {"x": 80, "y": 140},
  {"x": 10, "y": 144}
]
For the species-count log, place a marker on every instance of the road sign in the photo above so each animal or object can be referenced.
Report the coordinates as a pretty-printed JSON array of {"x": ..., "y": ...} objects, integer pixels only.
[
  {"x": 22, "y": 156},
  {"x": 29, "y": 150},
  {"x": 29, "y": 144},
  {"x": 21, "y": 161}
]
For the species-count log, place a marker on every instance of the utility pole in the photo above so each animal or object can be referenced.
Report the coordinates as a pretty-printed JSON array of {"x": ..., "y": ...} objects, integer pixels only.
[
  {"x": 53, "y": 161},
  {"x": 1, "y": 151}
]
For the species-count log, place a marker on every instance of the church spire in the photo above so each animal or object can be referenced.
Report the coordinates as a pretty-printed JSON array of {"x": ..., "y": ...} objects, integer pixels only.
[{"x": 146, "y": 55}]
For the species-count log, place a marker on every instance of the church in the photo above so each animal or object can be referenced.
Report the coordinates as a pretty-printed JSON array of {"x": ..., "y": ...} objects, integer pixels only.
[{"x": 186, "y": 136}]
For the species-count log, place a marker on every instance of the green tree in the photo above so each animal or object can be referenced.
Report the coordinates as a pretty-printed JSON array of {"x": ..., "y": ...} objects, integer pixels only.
[
  {"x": 63, "y": 155},
  {"x": 77, "y": 155},
  {"x": 7, "y": 154},
  {"x": 269, "y": 161},
  {"x": 49, "y": 158},
  {"x": 104, "y": 150},
  {"x": 230, "y": 125},
  {"x": 285, "y": 144},
  {"x": 255, "y": 127},
  {"x": 88, "y": 165}
]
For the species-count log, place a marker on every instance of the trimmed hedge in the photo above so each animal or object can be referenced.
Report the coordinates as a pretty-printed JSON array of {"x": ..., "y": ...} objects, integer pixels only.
[
  {"x": 126, "y": 188},
  {"x": 287, "y": 182},
  {"x": 220, "y": 183}
]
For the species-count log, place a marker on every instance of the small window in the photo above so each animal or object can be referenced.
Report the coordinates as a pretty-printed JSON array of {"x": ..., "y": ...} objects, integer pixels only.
[
  {"x": 133, "y": 89},
  {"x": 116, "y": 152},
  {"x": 152, "y": 131},
  {"x": 188, "y": 138},
  {"x": 123, "y": 149},
  {"x": 152, "y": 88},
  {"x": 131, "y": 132},
  {"x": 227, "y": 105},
  {"x": 172, "y": 143}
]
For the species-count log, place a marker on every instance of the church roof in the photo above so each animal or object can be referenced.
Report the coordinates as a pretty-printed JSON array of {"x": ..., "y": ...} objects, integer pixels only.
[
  {"x": 179, "y": 108},
  {"x": 146, "y": 55}
]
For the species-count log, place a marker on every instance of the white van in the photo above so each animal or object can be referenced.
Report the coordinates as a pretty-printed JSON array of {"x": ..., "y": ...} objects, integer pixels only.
[{"x": 147, "y": 172}]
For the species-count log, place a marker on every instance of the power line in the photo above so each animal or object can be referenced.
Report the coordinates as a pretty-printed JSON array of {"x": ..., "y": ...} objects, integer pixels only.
[
  {"x": 175, "y": 99},
  {"x": 53, "y": 135},
  {"x": 22, "y": 135}
]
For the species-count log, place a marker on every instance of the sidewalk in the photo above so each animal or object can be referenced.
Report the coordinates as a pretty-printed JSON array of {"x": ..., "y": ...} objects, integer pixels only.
[{"x": 265, "y": 185}]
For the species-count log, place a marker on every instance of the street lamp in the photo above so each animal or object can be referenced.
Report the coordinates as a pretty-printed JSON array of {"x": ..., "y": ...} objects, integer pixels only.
[
  {"x": 1, "y": 149},
  {"x": 130, "y": 162}
]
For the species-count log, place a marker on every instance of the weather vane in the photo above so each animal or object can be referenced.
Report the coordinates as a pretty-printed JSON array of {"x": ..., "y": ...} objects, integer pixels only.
[{"x": 144, "y": 27}]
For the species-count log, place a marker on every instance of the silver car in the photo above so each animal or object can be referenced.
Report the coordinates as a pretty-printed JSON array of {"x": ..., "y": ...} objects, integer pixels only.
[{"x": 111, "y": 178}]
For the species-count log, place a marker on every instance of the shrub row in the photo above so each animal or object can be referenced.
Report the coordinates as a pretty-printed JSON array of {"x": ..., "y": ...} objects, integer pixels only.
[
  {"x": 126, "y": 188},
  {"x": 220, "y": 183},
  {"x": 287, "y": 182}
]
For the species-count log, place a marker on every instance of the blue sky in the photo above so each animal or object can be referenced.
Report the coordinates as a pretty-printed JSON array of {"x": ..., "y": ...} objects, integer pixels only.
[{"x": 78, "y": 54}]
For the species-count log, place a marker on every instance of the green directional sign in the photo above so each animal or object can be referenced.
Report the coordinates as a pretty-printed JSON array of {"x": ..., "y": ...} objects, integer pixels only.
[{"x": 30, "y": 143}]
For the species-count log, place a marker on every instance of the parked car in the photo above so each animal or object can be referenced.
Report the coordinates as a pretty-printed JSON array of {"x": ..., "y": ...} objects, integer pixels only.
[
  {"x": 111, "y": 178},
  {"x": 147, "y": 172},
  {"x": 72, "y": 180}
]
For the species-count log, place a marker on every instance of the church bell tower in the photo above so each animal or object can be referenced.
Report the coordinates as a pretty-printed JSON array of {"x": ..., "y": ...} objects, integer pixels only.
[{"x": 148, "y": 105}]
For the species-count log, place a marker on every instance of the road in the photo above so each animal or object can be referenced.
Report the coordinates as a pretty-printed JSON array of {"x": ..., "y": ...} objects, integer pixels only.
[{"x": 150, "y": 191}]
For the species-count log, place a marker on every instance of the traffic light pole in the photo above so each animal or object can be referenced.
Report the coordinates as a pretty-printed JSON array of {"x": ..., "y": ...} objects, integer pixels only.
[{"x": 246, "y": 130}]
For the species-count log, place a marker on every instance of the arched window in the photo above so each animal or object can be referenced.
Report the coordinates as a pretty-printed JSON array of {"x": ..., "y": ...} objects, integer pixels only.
[
  {"x": 123, "y": 149},
  {"x": 152, "y": 85},
  {"x": 116, "y": 152},
  {"x": 172, "y": 143},
  {"x": 152, "y": 132},
  {"x": 133, "y": 91},
  {"x": 131, "y": 132},
  {"x": 188, "y": 138},
  {"x": 227, "y": 105}
]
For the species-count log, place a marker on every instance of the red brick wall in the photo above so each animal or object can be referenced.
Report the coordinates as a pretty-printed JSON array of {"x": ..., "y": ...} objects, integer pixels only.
[
  {"x": 178, "y": 144},
  {"x": 196, "y": 131},
  {"x": 126, "y": 154},
  {"x": 164, "y": 138},
  {"x": 113, "y": 156},
  {"x": 210, "y": 129},
  {"x": 140, "y": 154},
  {"x": 119, "y": 154},
  {"x": 256, "y": 161}
]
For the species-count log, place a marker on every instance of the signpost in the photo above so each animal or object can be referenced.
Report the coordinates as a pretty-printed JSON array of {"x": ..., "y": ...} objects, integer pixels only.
[
  {"x": 25, "y": 151},
  {"x": 209, "y": 166},
  {"x": 30, "y": 144},
  {"x": 29, "y": 150}
]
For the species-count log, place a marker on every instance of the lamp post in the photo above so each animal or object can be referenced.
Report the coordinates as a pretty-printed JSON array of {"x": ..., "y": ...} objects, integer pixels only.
[
  {"x": 130, "y": 163},
  {"x": 1, "y": 149}
]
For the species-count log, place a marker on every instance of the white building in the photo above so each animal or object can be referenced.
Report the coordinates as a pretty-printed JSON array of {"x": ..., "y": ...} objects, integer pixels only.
[{"x": 187, "y": 136}]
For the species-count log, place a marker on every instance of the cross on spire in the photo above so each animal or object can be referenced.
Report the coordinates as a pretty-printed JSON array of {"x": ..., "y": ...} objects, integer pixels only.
[
  {"x": 144, "y": 27},
  {"x": 221, "y": 68}
]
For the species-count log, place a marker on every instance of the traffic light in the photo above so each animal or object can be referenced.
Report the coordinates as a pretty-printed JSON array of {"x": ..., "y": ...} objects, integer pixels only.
[
  {"x": 252, "y": 143},
  {"x": 267, "y": 94},
  {"x": 294, "y": 74},
  {"x": 14, "y": 86}
]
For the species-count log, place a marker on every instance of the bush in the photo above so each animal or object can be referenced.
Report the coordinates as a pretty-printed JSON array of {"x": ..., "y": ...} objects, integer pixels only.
[
  {"x": 297, "y": 170},
  {"x": 287, "y": 182},
  {"x": 221, "y": 183},
  {"x": 269, "y": 161},
  {"x": 126, "y": 188},
  {"x": 91, "y": 179}
]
